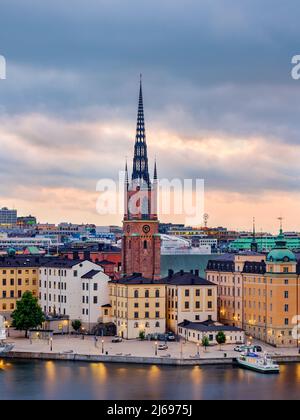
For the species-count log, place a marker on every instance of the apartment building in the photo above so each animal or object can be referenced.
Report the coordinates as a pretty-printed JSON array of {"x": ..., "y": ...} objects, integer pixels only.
[
  {"x": 18, "y": 274},
  {"x": 189, "y": 297},
  {"x": 138, "y": 305},
  {"x": 73, "y": 288}
]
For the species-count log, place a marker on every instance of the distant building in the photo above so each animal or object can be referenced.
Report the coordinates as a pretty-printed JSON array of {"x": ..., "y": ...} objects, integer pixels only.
[
  {"x": 8, "y": 218},
  {"x": 26, "y": 222},
  {"x": 264, "y": 243}
]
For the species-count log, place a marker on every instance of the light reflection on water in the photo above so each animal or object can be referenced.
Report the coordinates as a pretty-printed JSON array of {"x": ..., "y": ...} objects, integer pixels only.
[{"x": 75, "y": 380}]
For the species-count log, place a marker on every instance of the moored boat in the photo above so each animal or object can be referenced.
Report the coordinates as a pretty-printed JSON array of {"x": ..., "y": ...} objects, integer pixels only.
[{"x": 262, "y": 364}]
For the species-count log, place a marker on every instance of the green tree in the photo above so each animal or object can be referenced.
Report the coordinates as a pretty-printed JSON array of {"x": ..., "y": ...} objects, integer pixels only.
[
  {"x": 221, "y": 338},
  {"x": 76, "y": 325},
  {"x": 28, "y": 314},
  {"x": 142, "y": 335},
  {"x": 205, "y": 342}
]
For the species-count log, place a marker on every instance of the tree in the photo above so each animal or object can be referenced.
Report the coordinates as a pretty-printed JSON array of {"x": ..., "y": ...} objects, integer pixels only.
[
  {"x": 205, "y": 342},
  {"x": 76, "y": 325},
  {"x": 28, "y": 314},
  {"x": 221, "y": 338},
  {"x": 142, "y": 335}
]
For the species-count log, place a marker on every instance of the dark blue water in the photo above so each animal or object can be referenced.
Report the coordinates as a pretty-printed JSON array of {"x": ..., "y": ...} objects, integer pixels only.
[{"x": 70, "y": 380}]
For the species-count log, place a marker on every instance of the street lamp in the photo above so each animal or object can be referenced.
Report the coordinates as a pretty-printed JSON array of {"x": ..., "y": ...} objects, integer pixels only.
[
  {"x": 156, "y": 348},
  {"x": 102, "y": 346}
]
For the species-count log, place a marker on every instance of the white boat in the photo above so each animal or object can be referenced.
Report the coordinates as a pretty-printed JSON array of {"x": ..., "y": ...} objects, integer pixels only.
[{"x": 262, "y": 364}]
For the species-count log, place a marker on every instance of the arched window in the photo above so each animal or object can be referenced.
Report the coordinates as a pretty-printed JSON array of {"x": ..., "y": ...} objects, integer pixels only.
[
  {"x": 136, "y": 294},
  {"x": 146, "y": 293},
  {"x": 136, "y": 325},
  {"x": 157, "y": 325},
  {"x": 147, "y": 325},
  {"x": 157, "y": 293},
  {"x": 145, "y": 245}
]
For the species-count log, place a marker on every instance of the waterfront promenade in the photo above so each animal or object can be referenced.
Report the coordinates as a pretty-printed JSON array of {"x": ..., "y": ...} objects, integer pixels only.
[{"x": 133, "y": 351}]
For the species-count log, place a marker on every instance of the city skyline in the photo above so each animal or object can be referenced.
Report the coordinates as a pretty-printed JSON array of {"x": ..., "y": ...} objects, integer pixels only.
[{"x": 71, "y": 119}]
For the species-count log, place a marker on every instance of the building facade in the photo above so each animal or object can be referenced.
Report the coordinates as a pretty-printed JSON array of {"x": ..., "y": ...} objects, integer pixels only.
[
  {"x": 260, "y": 294},
  {"x": 18, "y": 274},
  {"x": 189, "y": 297},
  {"x": 138, "y": 305},
  {"x": 8, "y": 217},
  {"x": 76, "y": 289}
]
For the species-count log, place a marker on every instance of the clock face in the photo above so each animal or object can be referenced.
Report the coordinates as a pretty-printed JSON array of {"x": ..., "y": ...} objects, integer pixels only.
[{"x": 146, "y": 229}]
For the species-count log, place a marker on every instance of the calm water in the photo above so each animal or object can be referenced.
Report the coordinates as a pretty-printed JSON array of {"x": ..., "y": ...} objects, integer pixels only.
[{"x": 67, "y": 380}]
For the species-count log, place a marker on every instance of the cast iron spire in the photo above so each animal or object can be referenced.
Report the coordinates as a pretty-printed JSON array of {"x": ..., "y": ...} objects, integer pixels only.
[{"x": 140, "y": 171}]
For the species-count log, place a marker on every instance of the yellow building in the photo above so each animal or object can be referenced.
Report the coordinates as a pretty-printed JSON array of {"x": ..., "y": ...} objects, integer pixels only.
[
  {"x": 138, "y": 305},
  {"x": 189, "y": 298},
  {"x": 18, "y": 274},
  {"x": 227, "y": 273},
  {"x": 269, "y": 299}
]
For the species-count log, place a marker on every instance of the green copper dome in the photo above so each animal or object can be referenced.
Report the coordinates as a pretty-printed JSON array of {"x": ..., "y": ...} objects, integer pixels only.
[{"x": 281, "y": 253}]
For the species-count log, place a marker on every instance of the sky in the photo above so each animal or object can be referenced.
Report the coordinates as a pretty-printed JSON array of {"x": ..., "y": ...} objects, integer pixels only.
[{"x": 220, "y": 104}]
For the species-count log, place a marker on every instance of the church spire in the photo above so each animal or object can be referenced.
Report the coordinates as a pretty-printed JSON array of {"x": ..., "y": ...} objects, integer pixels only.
[
  {"x": 155, "y": 171},
  {"x": 140, "y": 171}
]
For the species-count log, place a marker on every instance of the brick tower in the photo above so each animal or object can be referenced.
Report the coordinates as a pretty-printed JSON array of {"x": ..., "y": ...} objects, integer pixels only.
[{"x": 141, "y": 240}]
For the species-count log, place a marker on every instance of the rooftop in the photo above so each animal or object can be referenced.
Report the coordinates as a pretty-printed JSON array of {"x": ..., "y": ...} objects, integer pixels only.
[
  {"x": 207, "y": 327},
  {"x": 186, "y": 279},
  {"x": 91, "y": 274}
]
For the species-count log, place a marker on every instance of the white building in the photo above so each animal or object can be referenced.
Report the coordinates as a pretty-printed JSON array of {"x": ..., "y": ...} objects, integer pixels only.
[
  {"x": 196, "y": 331},
  {"x": 73, "y": 288}
]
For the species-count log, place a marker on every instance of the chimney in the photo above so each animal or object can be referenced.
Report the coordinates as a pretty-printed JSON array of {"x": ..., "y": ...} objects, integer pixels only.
[
  {"x": 170, "y": 273},
  {"x": 87, "y": 255},
  {"x": 197, "y": 273}
]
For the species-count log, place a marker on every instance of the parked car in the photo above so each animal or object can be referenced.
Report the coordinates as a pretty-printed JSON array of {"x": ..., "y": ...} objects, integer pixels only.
[
  {"x": 171, "y": 336},
  {"x": 240, "y": 349},
  {"x": 162, "y": 347},
  {"x": 257, "y": 349},
  {"x": 117, "y": 339}
]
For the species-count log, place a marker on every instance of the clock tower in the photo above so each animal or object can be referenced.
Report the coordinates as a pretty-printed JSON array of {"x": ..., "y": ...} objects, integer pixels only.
[{"x": 141, "y": 239}]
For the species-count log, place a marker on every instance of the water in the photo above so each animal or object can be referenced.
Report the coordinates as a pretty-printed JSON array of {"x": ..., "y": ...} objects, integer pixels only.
[{"x": 75, "y": 380}]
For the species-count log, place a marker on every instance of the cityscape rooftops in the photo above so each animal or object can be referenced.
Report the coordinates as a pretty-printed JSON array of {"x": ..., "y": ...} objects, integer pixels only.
[{"x": 7, "y": 261}]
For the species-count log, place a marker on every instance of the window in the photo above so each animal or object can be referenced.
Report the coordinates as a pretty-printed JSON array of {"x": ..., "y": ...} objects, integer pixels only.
[
  {"x": 187, "y": 292},
  {"x": 198, "y": 292},
  {"x": 285, "y": 269},
  {"x": 286, "y": 294},
  {"x": 145, "y": 245},
  {"x": 12, "y": 282},
  {"x": 197, "y": 305},
  {"x": 146, "y": 314},
  {"x": 136, "y": 305},
  {"x": 75, "y": 273},
  {"x": 157, "y": 293},
  {"x": 197, "y": 317},
  {"x": 209, "y": 305},
  {"x": 95, "y": 287},
  {"x": 286, "y": 308},
  {"x": 286, "y": 321},
  {"x": 286, "y": 282},
  {"x": 95, "y": 300},
  {"x": 136, "y": 294},
  {"x": 136, "y": 325},
  {"x": 157, "y": 325},
  {"x": 156, "y": 314},
  {"x": 136, "y": 315},
  {"x": 157, "y": 304},
  {"x": 209, "y": 292},
  {"x": 146, "y": 304},
  {"x": 186, "y": 305},
  {"x": 146, "y": 293}
]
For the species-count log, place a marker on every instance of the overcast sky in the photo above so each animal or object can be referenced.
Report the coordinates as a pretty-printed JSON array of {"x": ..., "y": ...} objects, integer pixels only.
[{"x": 220, "y": 103}]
